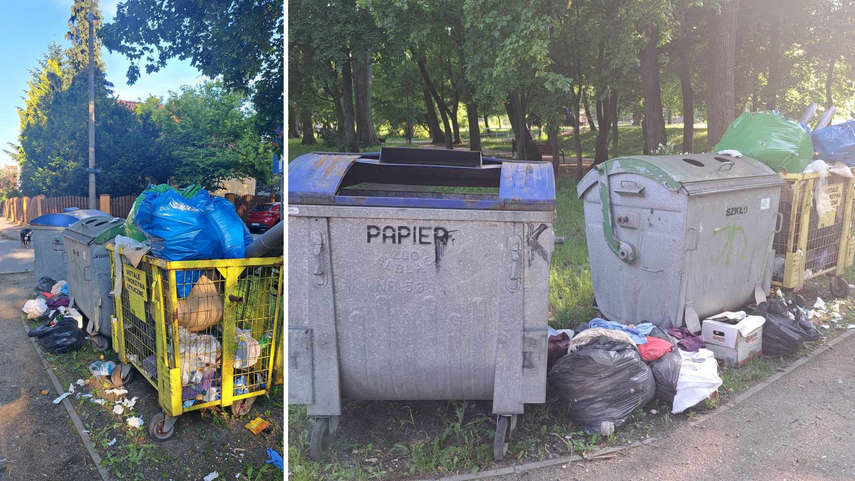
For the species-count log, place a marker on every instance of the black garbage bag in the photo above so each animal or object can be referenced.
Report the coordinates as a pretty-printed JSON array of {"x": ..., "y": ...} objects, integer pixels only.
[
  {"x": 666, "y": 373},
  {"x": 63, "y": 341},
  {"x": 602, "y": 383},
  {"x": 63, "y": 324},
  {"x": 45, "y": 284},
  {"x": 783, "y": 336}
]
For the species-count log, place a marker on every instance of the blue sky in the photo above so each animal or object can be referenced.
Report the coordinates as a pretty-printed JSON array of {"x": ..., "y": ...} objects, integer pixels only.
[{"x": 28, "y": 26}]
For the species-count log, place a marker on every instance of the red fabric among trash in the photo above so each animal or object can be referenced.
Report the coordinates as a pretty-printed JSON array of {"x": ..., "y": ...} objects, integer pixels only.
[
  {"x": 654, "y": 348},
  {"x": 557, "y": 348},
  {"x": 47, "y": 295}
]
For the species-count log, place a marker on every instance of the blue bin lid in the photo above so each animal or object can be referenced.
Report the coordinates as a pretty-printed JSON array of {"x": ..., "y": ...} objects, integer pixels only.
[
  {"x": 65, "y": 219},
  {"x": 319, "y": 178}
]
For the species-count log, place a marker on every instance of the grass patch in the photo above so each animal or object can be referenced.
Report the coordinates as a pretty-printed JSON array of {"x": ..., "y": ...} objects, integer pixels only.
[{"x": 754, "y": 371}]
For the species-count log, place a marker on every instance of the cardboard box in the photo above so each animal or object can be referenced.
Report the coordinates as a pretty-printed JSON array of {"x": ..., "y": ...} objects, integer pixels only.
[{"x": 735, "y": 343}]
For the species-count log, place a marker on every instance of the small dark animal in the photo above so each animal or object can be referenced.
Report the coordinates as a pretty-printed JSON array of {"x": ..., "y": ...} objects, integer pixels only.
[{"x": 26, "y": 237}]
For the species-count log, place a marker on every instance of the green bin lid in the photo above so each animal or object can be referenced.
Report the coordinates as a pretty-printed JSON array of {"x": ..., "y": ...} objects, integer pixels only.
[{"x": 96, "y": 230}]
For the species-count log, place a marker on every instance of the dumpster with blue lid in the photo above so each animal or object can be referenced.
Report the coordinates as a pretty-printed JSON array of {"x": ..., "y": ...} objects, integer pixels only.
[
  {"x": 48, "y": 245},
  {"x": 673, "y": 240},
  {"x": 418, "y": 275}
]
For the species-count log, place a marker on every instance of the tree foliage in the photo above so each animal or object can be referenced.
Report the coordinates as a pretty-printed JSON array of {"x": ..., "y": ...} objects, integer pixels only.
[{"x": 240, "y": 41}]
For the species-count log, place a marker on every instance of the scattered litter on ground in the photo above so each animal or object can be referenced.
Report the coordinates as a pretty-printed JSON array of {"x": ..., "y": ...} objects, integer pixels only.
[
  {"x": 212, "y": 476},
  {"x": 135, "y": 422},
  {"x": 257, "y": 425},
  {"x": 98, "y": 401},
  {"x": 81, "y": 382},
  {"x": 819, "y": 304},
  {"x": 61, "y": 397},
  {"x": 102, "y": 369},
  {"x": 275, "y": 459},
  {"x": 117, "y": 392},
  {"x": 118, "y": 409},
  {"x": 45, "y": 392},
  {"x": 71, "y": 389}
]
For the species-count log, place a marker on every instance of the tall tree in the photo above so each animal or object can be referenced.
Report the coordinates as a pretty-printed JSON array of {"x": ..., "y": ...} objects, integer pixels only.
[
  {"x": 720, "y": 87},
  {"x": 649, "y": 67},
  {"x": 241, "y": 41},
  {"x": 78, "y": 35}
]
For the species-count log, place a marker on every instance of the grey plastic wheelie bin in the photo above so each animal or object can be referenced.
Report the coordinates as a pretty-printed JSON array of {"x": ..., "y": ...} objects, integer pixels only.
[
  {"x": 89, "y": 279},
  {"x": 673, "y": 240},
  {"x": 48, "y": 245},
  {"x": 398, "y": 291}
]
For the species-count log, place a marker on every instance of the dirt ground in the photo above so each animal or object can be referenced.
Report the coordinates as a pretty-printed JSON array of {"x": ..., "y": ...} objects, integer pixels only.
[
  {"x": 206, "y": 441},
  {"x": 37, "y": 438}
]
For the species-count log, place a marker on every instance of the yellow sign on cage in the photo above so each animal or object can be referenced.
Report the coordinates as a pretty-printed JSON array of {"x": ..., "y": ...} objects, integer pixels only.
[{"x": 137, "y": 293}]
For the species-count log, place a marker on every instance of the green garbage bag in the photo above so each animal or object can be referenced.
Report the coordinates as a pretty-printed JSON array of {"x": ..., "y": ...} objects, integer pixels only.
[
  {"x": 130, "y": 229},
  {"x": 771, "y": 139}
]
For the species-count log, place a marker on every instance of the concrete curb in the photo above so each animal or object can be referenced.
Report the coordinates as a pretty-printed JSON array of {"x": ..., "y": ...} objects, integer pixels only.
[
  {"x": 96, "y": 458},
  {"x": 547, "y": 463},
  {"x": 705, "y": 417},
  {"x": 771, "y": 379}
]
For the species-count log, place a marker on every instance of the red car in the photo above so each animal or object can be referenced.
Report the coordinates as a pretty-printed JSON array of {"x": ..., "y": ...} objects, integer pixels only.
[{"x": 264, "y": 216}]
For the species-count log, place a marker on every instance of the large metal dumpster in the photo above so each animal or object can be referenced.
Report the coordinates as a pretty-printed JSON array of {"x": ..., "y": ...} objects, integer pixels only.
[
  {"x": 675, "y": 239},
  {"x": 89, "y": 279},
  {"x": 48, "y": 244},
  {"x": 402, "y": 291}
]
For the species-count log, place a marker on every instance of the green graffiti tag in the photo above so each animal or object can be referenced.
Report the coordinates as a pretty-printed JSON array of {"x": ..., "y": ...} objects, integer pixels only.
[{"x": 727, "y": 250}]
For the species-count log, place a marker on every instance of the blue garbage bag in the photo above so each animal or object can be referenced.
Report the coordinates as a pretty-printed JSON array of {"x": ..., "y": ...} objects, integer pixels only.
[
  {"x": 234, "y": 235},
  {"x": 178, "y": 229},
  {"x": 836, "y": 143}
]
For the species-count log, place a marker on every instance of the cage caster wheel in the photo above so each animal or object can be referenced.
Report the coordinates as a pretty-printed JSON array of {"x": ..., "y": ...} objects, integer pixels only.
[
  {"x": 838, "y": 286},
  {"x": 102, "y": 344},
  {"x": 161, "y": 428},
  {"x": 323, "y": 433},
  {"x": 241, "y": 408},
  {"x": 506, "y": 427},
  {"x": 121, "y": 375}
]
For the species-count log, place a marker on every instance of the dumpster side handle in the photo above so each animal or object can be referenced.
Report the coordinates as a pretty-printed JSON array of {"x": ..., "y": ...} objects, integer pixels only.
[{"x": 626, "y": 252}]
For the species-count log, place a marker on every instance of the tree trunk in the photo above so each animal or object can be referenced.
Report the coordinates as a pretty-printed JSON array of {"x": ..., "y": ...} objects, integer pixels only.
[
  {"x": 552, "y": 132},
  {"x": 615, "y": 125},
  {"x": 365, "y": 134},
  {"x": 455, "y": 126},
  {"x": 516, "y": 107},
  {"x": 486, "y": 123},
  {"x": 474, "y": 129},
  {"x": 603, "y": 125},
  {"x": 670, "y": 117},
  {"x": 347, "y": 101},
  {"x": 650, "y": 82},
  {"x": 722, "y": 49},
  {"x": 577, "y": 139},
  {"x": 436, "y": 134},
  {"x": 588, "y": 116},
  {"x": 829, "y": 80},
  {"x": 308, "y": 128},
  {"x": 774, "y": 61},
  {"x": 688, "y": 101},
  {"x": 439, "y": 102},
  {"x": 293, "y": 129}
]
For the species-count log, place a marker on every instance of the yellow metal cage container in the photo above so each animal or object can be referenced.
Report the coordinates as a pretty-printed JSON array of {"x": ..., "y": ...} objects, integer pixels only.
[
  {"x": 809, "y": 245},
  {"x": 203, "y": 333}
]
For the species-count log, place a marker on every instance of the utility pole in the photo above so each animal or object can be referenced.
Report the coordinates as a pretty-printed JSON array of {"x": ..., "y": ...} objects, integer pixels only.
[{"x": 92, "y": 201}]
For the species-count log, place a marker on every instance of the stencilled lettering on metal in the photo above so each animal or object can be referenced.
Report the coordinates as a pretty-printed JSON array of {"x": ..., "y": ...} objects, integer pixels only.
[{"x": 439, "y": 237}]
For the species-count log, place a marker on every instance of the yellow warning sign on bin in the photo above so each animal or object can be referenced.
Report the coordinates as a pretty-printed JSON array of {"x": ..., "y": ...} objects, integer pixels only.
[{"x": 135, "y": 284}]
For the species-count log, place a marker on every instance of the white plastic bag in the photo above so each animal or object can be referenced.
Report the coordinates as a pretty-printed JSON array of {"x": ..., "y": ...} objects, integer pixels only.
[
  {"x": 35, "y": 308},
  {"x": 698, "y": 379}
]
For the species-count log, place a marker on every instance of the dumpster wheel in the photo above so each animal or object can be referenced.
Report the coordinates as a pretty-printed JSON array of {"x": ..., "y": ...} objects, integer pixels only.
[
  {"x": 322, "y": 438},
  {"x": 159, "y": 429},
  {"x": 116, "y": 376},
  {"x": 102, "y": 344},
  {"x": 838, "y": 286},
  {"x": 241, "y": 408},
  {"x": 505, "y": 428}
]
